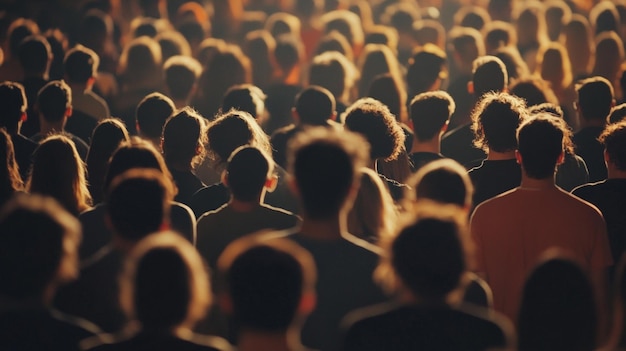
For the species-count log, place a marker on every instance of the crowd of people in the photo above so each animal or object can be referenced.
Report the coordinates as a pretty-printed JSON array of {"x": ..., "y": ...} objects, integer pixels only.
[{"x": 313, "y": 174}]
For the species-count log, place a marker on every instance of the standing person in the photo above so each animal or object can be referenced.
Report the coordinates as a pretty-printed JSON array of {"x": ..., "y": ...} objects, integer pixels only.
[
  {"x": 35, "y": 57},
  {"x": 150, "y": 116}
]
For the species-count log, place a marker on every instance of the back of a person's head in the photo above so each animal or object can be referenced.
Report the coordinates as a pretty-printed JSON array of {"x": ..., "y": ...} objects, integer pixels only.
[
  {"x": 38, "y": 245},
  {"x": 472, "y": 16},
  {"x": 617, "y": 113},
  {"x": 138, "y": 203},
  {"x": 325, "y": 165},
  {"x": 248, "y": 170},
  {"x": 444, "y": 181},
  {"x": 389, "y": 89},
  {"x": 54, "y": 100},
  {"x": 181, "y": 74},
  {"x": 245, "y": 97},
  {"x": 172, "y": 44},
  {"x": 467, "y": 43},
  {"x": 374, "y": 60},
  {"x": 281, "y": 23},
  {"x": 489, "y": 74},
  {"x": 184, "y": 137},
  {"x": 495, "y": 121},
  {"x": 266, "y": 282},
  {"x": 10, "y": 178},
  {"x": 35, "y": 54},
  {"x": 107, "y": 137},
  {"x": 595, "y": 98},
  {"x": 557, "y": 310},
  {"x": 401, "y": 16},
  {"x": 554, "y": 65},
  {"x": 604, "y": 17},
  {"x": 288, "y": 52},
  {"x": 380, "y": 34},
  {"x": 609, "y": 55},
  {"x": 332, "y": 71},
  {"x": 540, "y": 144},
  {"x": 232, "y": 130},
  {"x": 430, "y": 112},
  {"x": 516, "y": 67},
  {"x": 335, "y": 41},
  {"x": 499, "y": 34},
  {"x": 426, "y": 65},
  {"x": 152, "y": 112},
  {"x": 13, "y": 106},
  {"x": 557, "y": 14},
  {"x": 374, "y": 121},
  {"x": 315, "y": 106},
  {"x": 614, "y": 139},
  {"x": 345, "y": 22},
  {"x": 164, "y": 284},
  {"x": 80, "y": 64},
  {"x": 140, "y": 61},
  {"x": 18, "y": 30},
  {"x": 533, "y": 90}
]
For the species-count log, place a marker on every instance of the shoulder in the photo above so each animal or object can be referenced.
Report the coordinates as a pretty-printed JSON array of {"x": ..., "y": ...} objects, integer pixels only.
[
  {"x": 211, "y": 215},
  {"x": 585, "y": 190}
]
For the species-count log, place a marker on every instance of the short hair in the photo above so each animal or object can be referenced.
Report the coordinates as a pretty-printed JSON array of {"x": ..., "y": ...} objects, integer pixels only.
[
  {"x": 614, "y": 139},
  {"x": 499, "y": 34},
  {"x": 53, "y": 100},
  {"x": 152, "y": 112},
  {"x": 18, "y": 30},
  {"x": 281, "y": 23},
  {"x": 335, "y": 41},
  {"x": 540, "y": 143},
  {"x": 183, "y": 135},
  {"x": 181, "y": 73},
  {"x": 247, "y": 172},
  {"x": 141, "y": 61},
  {"x": 245, "y": 97},
  {"x": 444, "y": 181},
  {"x": 333, "y": 71},
  {"x": 325, "y": 165},
  {"x": 173, "y": 43},
  {"x": 378, "y": 125},
  {"x": 489, "y": 74},
  {"x": 604, "y": 17},
  {"x": 289, "y": 51},
  {"x": 164, "y": 283},
  {"x": 315, "y": 105},
  {"x": 495, "y": 120},
  {"x": 429, "y": 112},
  {"x": 345, "y": 22},
  {"x": 138, "y": 203},
  {"x": 34, "y": 54},
  {"x": 534, "y": 90},
  {"x": 617, "y": 113},
  {"x": 80, "y": 64},
  {"x": 13, "y": 104},
  {"x": 266, "y": 280},
  {"x": 516, "y": 67},
  {"x": 379, "y": 34},
  {"x": 467, "y": 43},
  {"x": 472, "y": 16},
  {"x": 426, "y": 65},
  {"x": 595, "y": 97}
]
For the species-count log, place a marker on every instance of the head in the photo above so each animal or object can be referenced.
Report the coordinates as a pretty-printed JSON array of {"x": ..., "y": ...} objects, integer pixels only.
[
  {"x": 18, "y": 30},
  {"x": 348, "y": 24},
  {"x": 380, "y": 34},
  {"x": 325, "y": 164},
  {"x": 495, "y": 121},
  {"x": 554, "y": 65},
  {"x": 466, "y": 44},
  {"x": 390, "y": 91},
  {"x": 444, "y": 181},
  {"x": 430, "y": 113},
  {"x": 289, "y": 53},
  {"x": 488, "y": 74},
  {"x": 429, "y": 31},
  {"x": 164, "y": 284},
  {"x": 531, "y": 24},
  {"x": 172, "y": 44},
  {"x": 557, "y": 14},
  {"x": 609, "y": 56},
  {"x": 81, "y": 65},
  {"x": 374, "y": 121},
  {"x": 604, "y": 17},
  {"x": 335, "y": 41},
  {"x": 184, "y": 137},
  {"x": 534, "y": 90},
  {"x": 427, "y": 68},
  {"x": 259, "y": 45},
  {"x": 38, "y": 247},
  {"x": 140, "y": 62},
  {"x": 13, "y": 108},
  {"x": 472, "y": 16},
  {"x": 617, "y": 113},
  {"x": 35, "y": 55},
  {"x": 374, "y": 60},
  {"x": 499, "y": 34},
  {"x": 333, "y": 71},
  {"x": 245, "y": 97},
  {"x": 516, "y": 67},
  {"x": 614, "y": 139},
  {"x": 595, "y": 98},
  {"x": 269, "y": 285},
  {"x": 181, "y": 76},
  {"x": 248, "y": 173},
  {"x": 315, "y": 106},
  {"x": 151, "y": 114},
  {"x": 10, "y": 179},
  {"x": 540, "y": 145},
  {"x": 54, "y": 101},
  {"x": 578, "y": 41}
]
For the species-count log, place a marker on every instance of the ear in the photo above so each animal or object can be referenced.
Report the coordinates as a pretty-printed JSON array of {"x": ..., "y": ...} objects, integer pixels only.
[
  {"x": 561, "y": 159},
  {"x": 68, "y": 112},
  {"x": 575, "y": 104},
  {"x": 295, "y": 115},
  {"x": 271, "y": 183},
  {"x": 333, "y": 116},
  {"x": 518, "y": 157},
  {"x": 225, "y": 302},
  {"x": 91, "y": 81},
  {"x": 224, "y": 177},
  {"x": 137, "y": 127},
  {"x": 409, "y": 123},
  {"x": 444, "y": 128},
  {"x": 470, "y": 87},
  {"x": 607, "y": 160},
  {"x": 612, "y": 103},
  {"x": 308, "y": 301},
  {"x": 24, "y": 117},
  {"x": 293, "y": 186}
]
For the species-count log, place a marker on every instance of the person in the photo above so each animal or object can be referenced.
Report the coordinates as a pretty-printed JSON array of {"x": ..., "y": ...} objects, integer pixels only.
[
  {"x": 427, "y": 261},
  {"x": 248, "y": 98},
  {"x": 17, "y": 30},
  {"x": 547, "y": 321},
  {"x": 427, "y": 70},
  {"x": 12, "y": 116},
  {"x": 324, "y": 164},
  {"x": 607, "y": 194},
  {"x": 594, "y": 103},
  {"x": 495, "y": 122},
  {"x": 430, "y": 114},
  {"x": 269, "y": 289},
  {"x": 537, "y": 215},
  {"x": 184, "y": 137},
  {"x": 165, "y": 288},
  {"x": 81, "y": 69},
  {"x": 181, "y": 79},
  {"x": 150, "y": 116},
  {"x": 10, "y": 180},
  {"x": 335, "y": 72},
  {"x": 38, "y": 253},
  {"x": 54, "y": 106},
  {"x": 35, "y": 55},
  {"x": 248, "y": 175}
]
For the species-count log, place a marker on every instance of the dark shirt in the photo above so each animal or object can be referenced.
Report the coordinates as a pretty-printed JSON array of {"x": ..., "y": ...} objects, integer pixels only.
[
  {"x": 280, "y": 139},
  {"x": 493, "y": 177},
  {"x": 396, "y": 189},
  {"x": 280, "y": 99},
  {"x": 81, "y": 125},
  {"x": 572, "y": 172},
  {"x": 187, "y": 184},
  {"x": 24, "y": 149},
  {"x": 420, "y": 159},
  {"x": 458, "y": 144},
  {"x": 592, "y": 151},
  {"x": 80, "y": 144},
  {"x": 145, "y": 341},
  {"x": 32, "y": 86}
]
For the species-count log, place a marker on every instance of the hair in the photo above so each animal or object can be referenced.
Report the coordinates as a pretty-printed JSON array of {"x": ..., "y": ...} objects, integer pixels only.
[
  {"x": 35, "y": 54},
  {"x": 578, "y": 41},
  {"x": 533, "y": 90},
  {"x": 38, "y": 245},
  {"x": 80, "y": 64},
  {"x": 617, "y": 113},
  {"x": 18, "y": 30},
  {"x": 245, "y": 97},
  {"x": 467, "y": 43},
  {"x": 184, "y": 137},
  {"x": 58, "y": 171},
  {"x": 614, "y": 139},
  {"x": 604, "y": 17},
  {"x": 13, "y": 105},
  {"x": 429, "y": 31},
  {"x": 376, "y": 59},
  {"x": 335, "y": 41},
  {"x": 489, "y": 74},
  {"x": 557, "y": 308},
  {"x": 105, "y": 139},
  {"x": 429, "y": 112},
  {"x": 516, "y": 67},
  {"x": 266, "y": 280},
  {"x": 140, "y": 62},
  {"x": 554, "y": 65},
  {"x": 347, "y": 23},
  {"x": 379, "y": 34},
  {"x": 325, "y": 164},
  {"x": 53, "y": 100},
  {"x": 390, "y": 91},
  {"x": 555, "y": 110},
  {"x": 595, "y": 98},
  {"x": 172, "y": 44},
  {"x": 426, "y": 66},
  {"x": 495, "y": 120},
  {"x": 540, "y": 143},
  {"x": 444, "y": 181},
  {"x": 181, "y": 74},
  {"x": 609, "y": 56},
  {"x": 208, "y": 49},
  {"x": 152, "y": 112},
  {"x": 281, "y": 23},
  {"x": 10, "y": 179},
  {"x": 401, "y": 16},
  {"x": 164, "y": 284},
  {"x": 138, "y": 203},
  {"x": 531, "y": 25},
  {"x": 315, "y": 105},
  {"x": 557, "y": 15},
  {"x": 333, "y": 71},
  {"x": 247, "y": 172},
  {"x": 259, "y": 46},
  {"x": 499, "y": 34},
  {"x": 375, "y": 122},
  {"x": 289, "y": 52},
  {"x": 472, "y": 16}
]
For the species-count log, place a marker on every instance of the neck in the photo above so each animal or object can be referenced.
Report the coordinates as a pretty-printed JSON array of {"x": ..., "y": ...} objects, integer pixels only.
[
  {"x": 46, "y": 127},
  {"x": 537, "y": 184},
  {"x": 323, "y": 229},
  {"x": 614, "y": 173},
  {"x": 595, "y": 122},
  {"x": 499, "y": 156},
  {"x": 244, "y": 206},
  {"x": 432, "y": 145},
  {"x": 79, "y": 87},
  {"x": 252, "y": 340}
]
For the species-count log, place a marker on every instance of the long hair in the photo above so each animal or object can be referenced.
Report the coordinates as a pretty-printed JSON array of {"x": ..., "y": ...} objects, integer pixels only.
[{"x": 10, "y": 180}]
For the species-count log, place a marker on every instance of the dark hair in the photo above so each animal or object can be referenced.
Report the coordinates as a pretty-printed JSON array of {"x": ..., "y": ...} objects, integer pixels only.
[
  {"x": 80, "y": 64},
  {"x": 53, "y": 100},
  {"x": 489, "y": 74},
  {"x": 495, "y": 120},
  {"x": 617, "y": 113},
  {"x": 430, "y": 111},
  {"x": 467, "y": 43},
  {"x": 259, "y": 46},
  {"x": 288, "y": 52},
  {"x": 516, "y": 67},
  {"x": 444, "y": 181},
  {"x": 152, "y": 112},
  {"x": 540, "y": 143},
  {"x": 244, "y": 97},
  {"x": 330, "y": 70},
  {"x": 604, "y": 17},
  {"x": 335, "y": 41},
  {"x": 10, "y": 179},
  {"x": 499, "y": 34},
  {"x": 375, "y": 122},
  {"x": 181, "y": 73},
  {"x": 324, "y": 163},
  {"x": 614, "y": 139},
  {"x": 172, "y": 44},
  {"x": 533, "y": 90},
  {"x": 390, "y": 91},
  {"x": 557, "y": 309},
  {"x": 184, "y": 137},
  {"x": 472, "y": 16},
  {"x": 13, "y": 105},
  {"x": 34, "y": 54},
  {"x": 595, "y": 97},
  {"x": 425, "y": 67},
  {"x": 18, "y": 30},
  {"x": 247, "y": 171},
  {"x": 315, "y": 105}
]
